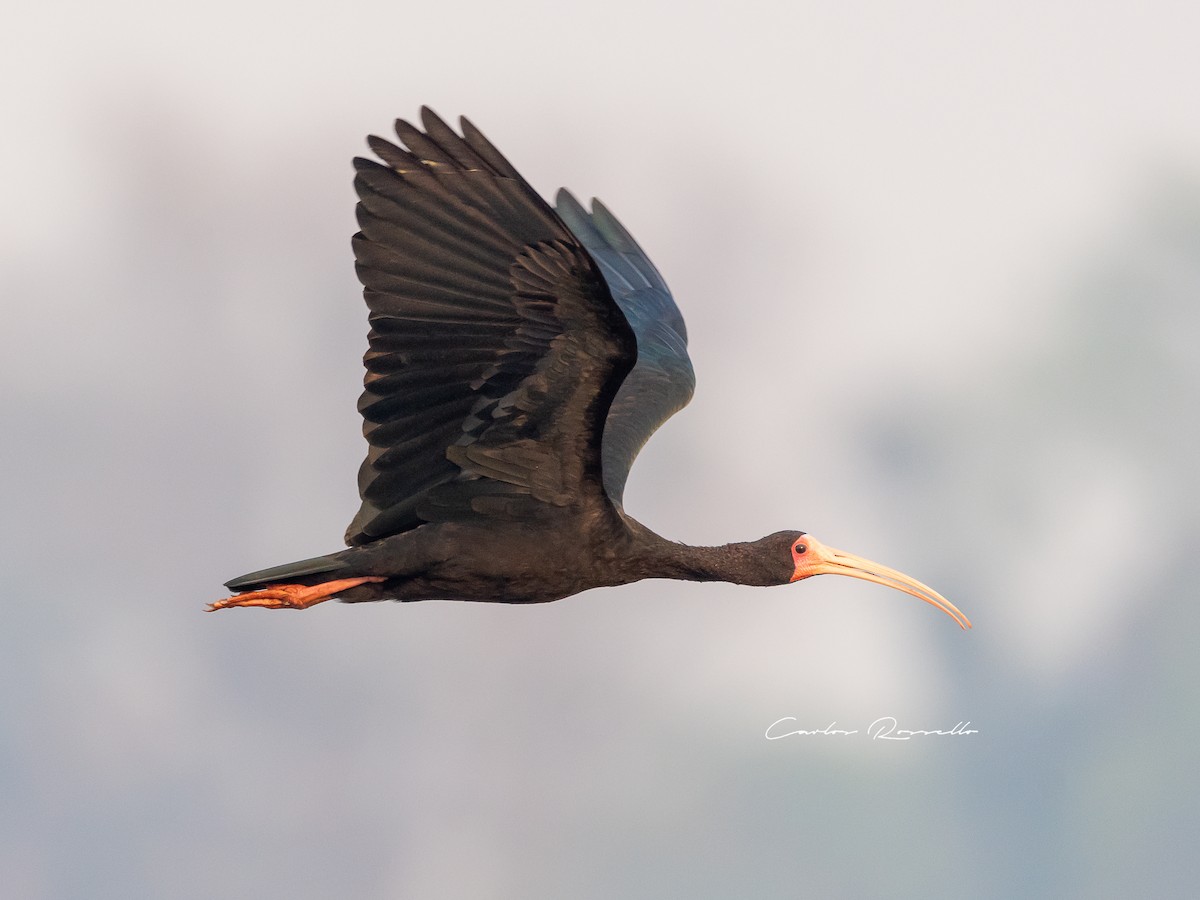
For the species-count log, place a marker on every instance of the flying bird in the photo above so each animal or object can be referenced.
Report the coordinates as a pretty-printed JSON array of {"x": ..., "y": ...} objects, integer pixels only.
[{"x": 519, "y": 358}]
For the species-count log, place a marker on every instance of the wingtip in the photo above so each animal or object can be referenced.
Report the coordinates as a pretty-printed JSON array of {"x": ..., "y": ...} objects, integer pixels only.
[
  {"x": 612, "y": 229},
  {"x": 431, "y": 119},
  {"x": 565, "y": 198},
  {"x": 599, "y": 209},
  {"x": 402, "y": 126}
]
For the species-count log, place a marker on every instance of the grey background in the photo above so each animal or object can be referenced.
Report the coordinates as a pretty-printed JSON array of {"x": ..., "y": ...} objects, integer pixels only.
[{"x": 940, "y": 267}]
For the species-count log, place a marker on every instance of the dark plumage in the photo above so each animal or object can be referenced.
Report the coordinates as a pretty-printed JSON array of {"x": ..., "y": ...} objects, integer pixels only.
[{"x": 520, "y": 357}]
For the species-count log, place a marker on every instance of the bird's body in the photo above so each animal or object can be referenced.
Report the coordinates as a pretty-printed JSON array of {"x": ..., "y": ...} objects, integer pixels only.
[
  {"x": 465, "y": 561},
  {"x": 520, "y": 356}
]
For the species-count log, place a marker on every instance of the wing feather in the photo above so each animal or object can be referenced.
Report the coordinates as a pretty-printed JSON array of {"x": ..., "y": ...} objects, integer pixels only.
[
  {"x": 496, "y": 347},
  {"x": 662, "y": 382}
]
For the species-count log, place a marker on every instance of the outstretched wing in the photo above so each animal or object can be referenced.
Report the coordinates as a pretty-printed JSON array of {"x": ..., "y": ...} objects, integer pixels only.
[
  {"x": 662, "y": 381},
  {"x": 496, "y": 348}
]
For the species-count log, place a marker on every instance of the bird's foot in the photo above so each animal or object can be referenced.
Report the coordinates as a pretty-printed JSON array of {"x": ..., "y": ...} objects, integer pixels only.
[{"x": 290, "y": 596}]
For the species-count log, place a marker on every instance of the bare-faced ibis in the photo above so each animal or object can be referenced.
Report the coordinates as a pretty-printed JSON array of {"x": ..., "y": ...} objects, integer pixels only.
[{"x": 520, "y": 356}]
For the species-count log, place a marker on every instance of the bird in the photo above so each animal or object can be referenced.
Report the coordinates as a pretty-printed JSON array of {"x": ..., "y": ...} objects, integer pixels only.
[{"x": 519, "y": 357}]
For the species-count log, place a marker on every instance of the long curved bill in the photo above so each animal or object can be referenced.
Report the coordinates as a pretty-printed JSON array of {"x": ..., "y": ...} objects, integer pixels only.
[{"x": 827, "y": 561}]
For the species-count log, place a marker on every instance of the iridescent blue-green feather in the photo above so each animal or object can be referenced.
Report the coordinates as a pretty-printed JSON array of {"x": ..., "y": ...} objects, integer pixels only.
[{"x": 662, "y": 381}]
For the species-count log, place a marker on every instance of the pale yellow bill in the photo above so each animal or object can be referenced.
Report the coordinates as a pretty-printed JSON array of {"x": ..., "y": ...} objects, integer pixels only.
[{"x": 827, "y": 561}]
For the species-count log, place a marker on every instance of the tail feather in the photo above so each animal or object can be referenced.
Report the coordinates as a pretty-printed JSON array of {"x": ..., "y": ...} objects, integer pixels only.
[{"x": 289, "y": 572}]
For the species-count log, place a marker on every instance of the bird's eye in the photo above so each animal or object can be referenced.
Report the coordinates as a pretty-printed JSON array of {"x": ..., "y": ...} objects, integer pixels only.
[{"x": 800, "y": 548}]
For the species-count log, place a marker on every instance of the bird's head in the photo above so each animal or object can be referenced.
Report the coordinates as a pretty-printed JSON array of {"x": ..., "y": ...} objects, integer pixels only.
[{"x": 807, "y": 556}]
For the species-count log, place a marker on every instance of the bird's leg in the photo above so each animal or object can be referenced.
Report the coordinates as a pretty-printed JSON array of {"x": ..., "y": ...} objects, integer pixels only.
[{"x": 290, "y": 596}]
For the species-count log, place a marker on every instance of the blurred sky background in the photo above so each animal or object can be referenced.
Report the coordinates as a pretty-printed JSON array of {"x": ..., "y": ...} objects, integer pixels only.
[{"x": 940, "y": 265}]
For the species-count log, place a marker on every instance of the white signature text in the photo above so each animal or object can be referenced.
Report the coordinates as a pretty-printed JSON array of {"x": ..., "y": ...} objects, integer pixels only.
[{"x": 885, "y": 728}]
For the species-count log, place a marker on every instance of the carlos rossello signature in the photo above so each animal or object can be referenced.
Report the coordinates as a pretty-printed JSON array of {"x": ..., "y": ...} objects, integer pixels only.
[{"x": 885, "y": 728}]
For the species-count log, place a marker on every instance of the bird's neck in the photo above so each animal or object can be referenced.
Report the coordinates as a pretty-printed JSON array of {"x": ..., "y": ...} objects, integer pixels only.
[{"x": 738, "y": 563}]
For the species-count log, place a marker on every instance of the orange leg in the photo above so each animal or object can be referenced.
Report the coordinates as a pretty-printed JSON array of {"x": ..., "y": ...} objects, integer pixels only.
[{"x": 290, "y": 596}]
